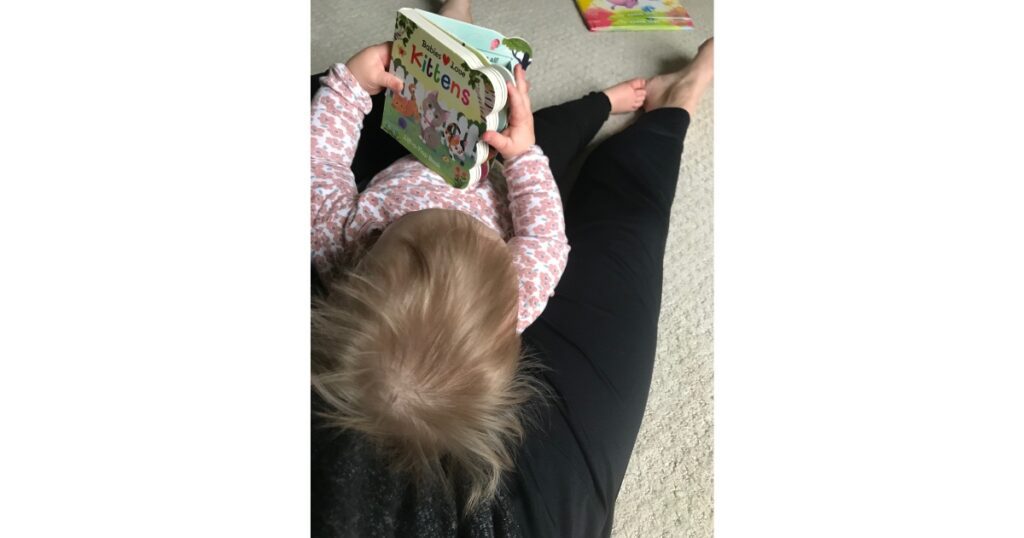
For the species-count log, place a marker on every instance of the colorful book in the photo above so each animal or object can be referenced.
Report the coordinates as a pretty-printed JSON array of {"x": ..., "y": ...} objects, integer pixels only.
[
  {"x": 456, "y": 79},
  {"x": 634, "y": 15}
]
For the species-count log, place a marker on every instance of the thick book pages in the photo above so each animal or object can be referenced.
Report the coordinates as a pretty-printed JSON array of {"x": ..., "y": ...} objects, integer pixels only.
[
  {"x": 456, "y": 76},
  {"x": 634, "y": 15}
]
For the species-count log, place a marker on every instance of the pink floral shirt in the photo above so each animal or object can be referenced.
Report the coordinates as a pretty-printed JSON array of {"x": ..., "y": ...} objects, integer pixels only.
[{"x": 529, "y": 218}]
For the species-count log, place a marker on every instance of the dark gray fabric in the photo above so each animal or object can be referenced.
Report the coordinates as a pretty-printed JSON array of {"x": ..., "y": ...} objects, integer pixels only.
[{"x": 355, "y": 495}]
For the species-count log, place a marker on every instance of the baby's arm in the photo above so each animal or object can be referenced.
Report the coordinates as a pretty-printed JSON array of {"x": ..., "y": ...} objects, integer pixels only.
[
  {"x": 337, "y": 116},
  {"x": 539, "y": 249},
  {"x": 338, "y": 111}
]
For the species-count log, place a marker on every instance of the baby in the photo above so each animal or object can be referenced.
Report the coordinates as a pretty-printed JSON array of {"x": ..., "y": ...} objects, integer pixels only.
[{"x": 417, "y": 343}]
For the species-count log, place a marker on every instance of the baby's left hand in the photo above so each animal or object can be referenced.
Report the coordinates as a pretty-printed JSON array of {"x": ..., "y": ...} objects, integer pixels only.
[
  {"x": 370, "y": 67},
  {"x": 517, "y": 138}
]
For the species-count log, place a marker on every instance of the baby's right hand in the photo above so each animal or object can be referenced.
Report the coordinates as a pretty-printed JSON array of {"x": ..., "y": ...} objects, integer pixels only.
[
  {"x": 370, "y": 67},
  {"x": 518, "y": 136}
]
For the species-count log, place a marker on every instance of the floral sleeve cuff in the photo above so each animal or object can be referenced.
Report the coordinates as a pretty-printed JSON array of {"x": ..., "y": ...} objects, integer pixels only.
[
  {"x": 341, "y": 80},
  {"x": 527, "y": 155}
]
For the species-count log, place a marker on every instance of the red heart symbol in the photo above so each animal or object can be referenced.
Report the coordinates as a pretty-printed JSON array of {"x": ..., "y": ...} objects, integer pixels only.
[{"x": 445, "y": 59}]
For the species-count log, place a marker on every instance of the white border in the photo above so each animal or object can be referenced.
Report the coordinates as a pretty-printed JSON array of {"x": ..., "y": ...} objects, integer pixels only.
[
  {"x": 869, "y": 269},
  {"x": 154, "y": 338}
]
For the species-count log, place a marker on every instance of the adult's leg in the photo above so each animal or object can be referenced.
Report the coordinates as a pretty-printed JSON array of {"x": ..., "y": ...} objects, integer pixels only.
[
  {"x": 456, "y": 9},
  {"x": 563, "y": 131},
  {"x": 599, "y": 331}
]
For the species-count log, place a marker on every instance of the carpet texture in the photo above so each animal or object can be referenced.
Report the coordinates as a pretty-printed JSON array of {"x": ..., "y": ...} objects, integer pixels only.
[{"x": 668, "y": 489}]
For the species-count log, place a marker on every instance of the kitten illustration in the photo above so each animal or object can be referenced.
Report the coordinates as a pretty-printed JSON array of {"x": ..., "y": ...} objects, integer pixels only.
[
  {"x": 461, "y": 139},
  {"x": 432, "y": 120}
]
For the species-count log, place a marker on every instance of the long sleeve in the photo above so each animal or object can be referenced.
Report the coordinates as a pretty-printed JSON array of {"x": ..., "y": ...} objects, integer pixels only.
[
  {"x": 539, "y": 249},
  {"x": 338, "y": 110}
]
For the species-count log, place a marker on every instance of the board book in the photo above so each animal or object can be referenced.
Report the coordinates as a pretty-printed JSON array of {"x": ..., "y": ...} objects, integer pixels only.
[
  {"x": 634, "y": 15},
  {"x": 456, "y": 78}
]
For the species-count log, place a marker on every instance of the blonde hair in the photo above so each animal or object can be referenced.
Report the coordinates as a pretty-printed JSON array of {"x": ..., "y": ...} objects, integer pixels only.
[{"x": 416, "y": 348}]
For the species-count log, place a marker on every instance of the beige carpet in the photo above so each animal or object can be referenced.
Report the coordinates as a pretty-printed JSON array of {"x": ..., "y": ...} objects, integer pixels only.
[{"x": 668, "y": 488}]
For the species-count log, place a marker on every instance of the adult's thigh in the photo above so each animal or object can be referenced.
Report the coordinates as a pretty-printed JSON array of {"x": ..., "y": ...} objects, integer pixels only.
[{"x": 598, "y": 334}]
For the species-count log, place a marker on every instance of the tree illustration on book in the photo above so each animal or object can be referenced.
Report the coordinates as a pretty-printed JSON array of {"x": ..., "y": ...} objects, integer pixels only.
[
  {"x": 521, "y": 50},
  {"x": 474, "y": 76},
  {"x": 403, "y": 30}
]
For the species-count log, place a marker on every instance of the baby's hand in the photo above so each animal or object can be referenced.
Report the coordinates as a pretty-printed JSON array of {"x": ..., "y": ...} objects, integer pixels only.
[
  {"x": 518, "y": 136},
  {"x": 370, "y": 67}
]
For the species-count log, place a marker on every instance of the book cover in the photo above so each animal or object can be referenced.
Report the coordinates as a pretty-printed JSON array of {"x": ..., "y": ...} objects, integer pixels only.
[
  {"x": 449, "y": 98},
  {"x": 634, "y": 15}
]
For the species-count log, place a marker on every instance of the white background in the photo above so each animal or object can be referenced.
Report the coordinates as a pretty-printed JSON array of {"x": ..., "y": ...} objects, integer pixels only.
[
  {"x": 154, "y": 287},
  {"x": 869, "y": 268}
]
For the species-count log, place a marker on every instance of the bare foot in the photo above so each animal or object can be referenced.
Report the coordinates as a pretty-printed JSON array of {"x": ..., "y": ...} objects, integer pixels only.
[
  {"x": 684, "y": 88},
  {"x": 627, "y": 96},
  {"x": 456, "y": 9}
]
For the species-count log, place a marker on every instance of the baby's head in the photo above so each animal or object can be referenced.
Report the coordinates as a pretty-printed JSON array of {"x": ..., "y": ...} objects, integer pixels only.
[{"x": 417, "y": 349}]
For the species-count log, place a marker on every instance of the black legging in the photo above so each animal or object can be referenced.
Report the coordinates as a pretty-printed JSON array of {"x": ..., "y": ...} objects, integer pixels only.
[{"x": 598, "y": 333}]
